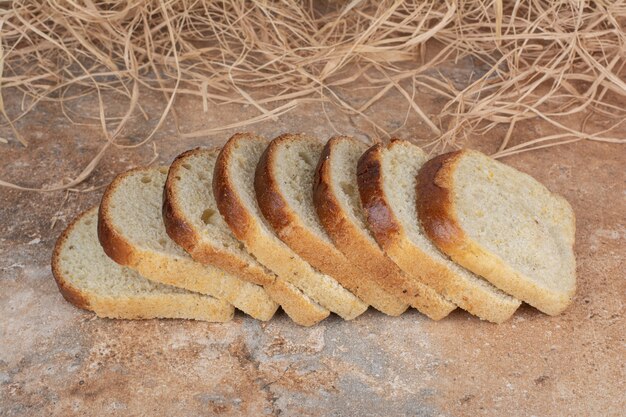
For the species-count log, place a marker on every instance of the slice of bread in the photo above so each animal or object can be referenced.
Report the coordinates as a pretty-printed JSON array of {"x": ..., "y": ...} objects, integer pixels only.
[
  {"x": 501, "y": 224},
  {"x": 338, "y": 205},
  {"x": 387, "y": 185},
  {"x": 284, "y": 189},
  {"x": 233, "y": 186},
  {"x": 193, "y": 221},
  {"x": 90, "y": 280},
  {"x": 132, "y": 233}
]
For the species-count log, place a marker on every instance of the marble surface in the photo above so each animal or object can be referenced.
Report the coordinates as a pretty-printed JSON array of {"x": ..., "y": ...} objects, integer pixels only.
[{"x": 58, "y": 360}]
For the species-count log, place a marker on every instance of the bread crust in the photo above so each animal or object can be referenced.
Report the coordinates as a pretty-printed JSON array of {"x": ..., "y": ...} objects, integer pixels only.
[
  {"x": 274, "y": 208},
  {"x": 150, "y": 306},
  {"x": 359, "y": 250},
  {"x": 434, "y": 203},
  {"x": 320, "y": 254},
  {"x": 380, "y": 218},
  {"x": 185, "y": 235},
  {"x": 71, "y": 294},
  {"x": 438, "y": 216},
  {"x": 391, "y": 235},
  {"x": 114, "y": 245},
  {"x": 185, "y": 273},
  {"x": 228, "y": 203},
  {"x": 175, "y": 225},
  {"x": 173, "y": 306},
  {"x": 303, "y": 311}
]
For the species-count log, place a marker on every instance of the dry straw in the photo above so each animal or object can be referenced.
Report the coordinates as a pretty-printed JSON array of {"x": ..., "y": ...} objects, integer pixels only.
[{"x": 534, "y": 59}]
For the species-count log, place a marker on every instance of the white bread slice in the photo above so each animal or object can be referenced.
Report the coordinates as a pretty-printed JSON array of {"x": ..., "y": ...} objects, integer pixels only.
[
  {"x": 233, "y": 186},
  {"x": 501, "y": 224},
  {"x": 90, "y": 280},
  {"x": 338, "y": 205},
  {"x": 387, "y": 185},
  {"x": 193, "y": 221},
  {"x": 132, "y": 233},
  {"x": 284, "y": 189}
]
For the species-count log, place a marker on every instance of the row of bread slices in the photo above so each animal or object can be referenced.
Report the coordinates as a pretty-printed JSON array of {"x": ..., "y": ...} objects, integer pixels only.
[{"x": 318, "y": 228}]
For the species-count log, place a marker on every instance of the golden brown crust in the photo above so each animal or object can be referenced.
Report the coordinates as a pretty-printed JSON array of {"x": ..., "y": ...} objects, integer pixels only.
[
  {"x": 113, "y": 243},
  {"x": 360, "y": 250},
  {"x": 228, "y": 203},
  {"x": 329, "y": 211},
  {"x": 274, "y": 208},
  {"x": 72, "y": 294},
  {"x": 381, "y": 220},
  {"x": 184, "y": 235},
  {"x": 434, "y": 203},
  {"x": 175, "y": 225},
  {"x": 323, "y": 256}
]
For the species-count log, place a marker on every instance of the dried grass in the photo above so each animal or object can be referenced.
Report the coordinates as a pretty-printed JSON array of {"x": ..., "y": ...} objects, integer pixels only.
[{"x": 535, "y": 59}]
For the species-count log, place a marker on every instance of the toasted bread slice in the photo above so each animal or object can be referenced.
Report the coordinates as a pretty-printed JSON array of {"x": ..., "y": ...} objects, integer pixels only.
[
  {"x": 193, "y": 221},
  {"x": 387, "y": 178},
  {"x": 338, "y": 205},
  {"x": 90, "y": 280},
  {"x": 132, "y": 233},
  {"x": 501, "y": 224},
  {"x": 284, "y": 189},
  {"x": 233, "y": 186}
]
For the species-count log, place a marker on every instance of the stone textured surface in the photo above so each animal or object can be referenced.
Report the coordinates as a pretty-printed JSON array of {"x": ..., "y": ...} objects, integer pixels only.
[{"x": 58, "y": 360}]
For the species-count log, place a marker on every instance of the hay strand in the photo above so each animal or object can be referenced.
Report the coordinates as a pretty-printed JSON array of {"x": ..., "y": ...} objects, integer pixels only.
[{"x": 532, "y": 60}]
